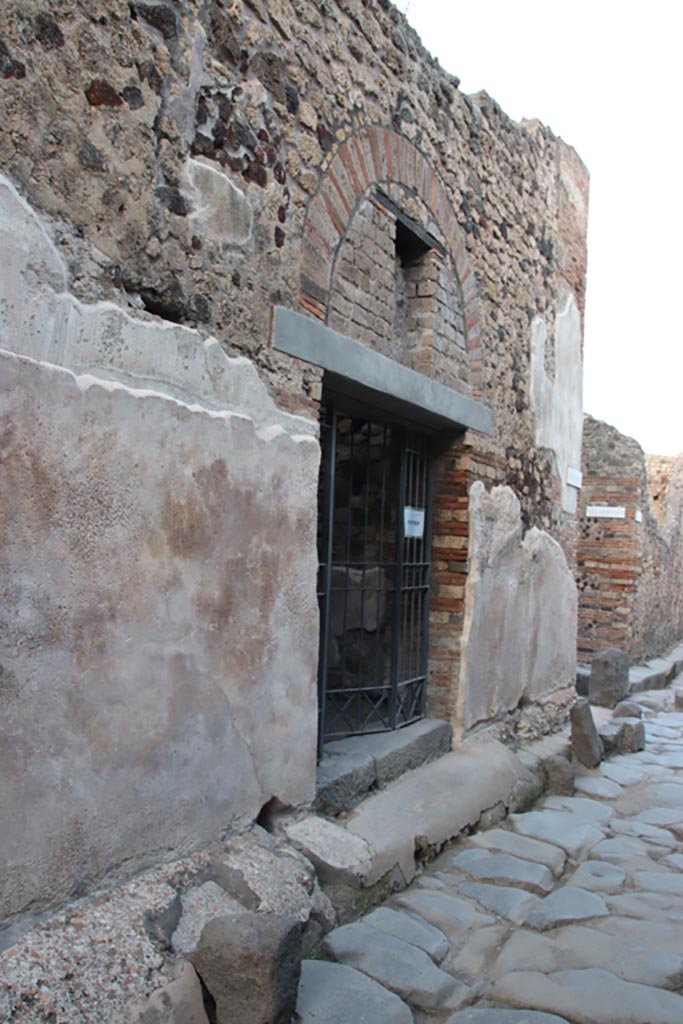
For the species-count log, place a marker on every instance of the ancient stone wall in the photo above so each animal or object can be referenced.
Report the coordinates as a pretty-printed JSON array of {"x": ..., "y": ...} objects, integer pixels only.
[
  {"x": 190, "y": 167},
  {"x": 630, "y": 566}
]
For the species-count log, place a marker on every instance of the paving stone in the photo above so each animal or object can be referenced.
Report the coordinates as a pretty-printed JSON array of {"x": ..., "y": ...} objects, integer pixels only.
[
  {"x": 410, "y": 928},
  {"x": 661, "y": 816},
  {"x": 338, "y": 994},
  {"x": 497, "y": 1015},
  {"x": 673, "y": 860},
  {"x": 641, "y": 830},
  {"x": 504, "y": 841},
  {"x": 598, "y": 876},
  {"x": 452, "y": 914},
  {"x": 622, "y": 849},
  {"x": 622, "y": 775},
  {"x": 505, "y": 869},
  {"x": 591, "y": 996},
  {"x": 400, "y": 967},
  {"x": 660, "y": 881},
  {"x": 598, "y": 787},
  {"x": 473, "y": 961},
  {"x": 563, "y": 829},
  {"x": 505, "y": 901},
  {"x": 668, "y": 794},
  {"x": 650, "y": 906},
  {"x": 576, "y": 947},
  {"x": 655, "y": 935},
  {"x": 586, "y": 744},
  {"x": 590, "y": 810},
  {"x": 566, "y": 905}
]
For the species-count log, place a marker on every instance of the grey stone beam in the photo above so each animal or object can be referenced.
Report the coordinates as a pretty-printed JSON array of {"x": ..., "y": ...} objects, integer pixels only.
[{"x": 360, "y": 373}]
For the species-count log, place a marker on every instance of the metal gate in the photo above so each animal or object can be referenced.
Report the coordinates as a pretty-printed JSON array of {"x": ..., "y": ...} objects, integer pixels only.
[{"x": 374, "y": 546}]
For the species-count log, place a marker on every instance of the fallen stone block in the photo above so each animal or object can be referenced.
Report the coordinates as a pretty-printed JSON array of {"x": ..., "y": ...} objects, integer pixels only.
[
  {"x": 339, "y": 857},
  {"x": 586, "y": 744},
  {"x": 612, "y": 736},
  {"x": 179, "y": 1002},
  {"x": 634, "y": 735},
  {"x": 251, "y": 966},
  {"x": 559, "y": 774},
  {"x": 627, "y": 709},
  {"x": 609, "y": 680}
]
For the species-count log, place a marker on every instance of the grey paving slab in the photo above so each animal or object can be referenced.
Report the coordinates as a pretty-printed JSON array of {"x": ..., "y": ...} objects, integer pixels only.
[
  {"x": 673, "y": 860},
  {"x": 578, "y": 947},
  {"x": 641, "y": 830},
  {"x": 562, "y": 828},
  {"x": 450, "y": 913},
  {"x": 661, "y": 816},
  {"x": 592, "y": 811},
  {"x": 660, "y": 881},
  {"x": 598, "y": 876},
  {"x": 564, "y": 906},
  {"x": 473, "y": 962},
  {"x": 505, "y": 901},
  {"x": 410, "y": 928},
  {"x": 621, "y": 774},
  {"x": 668, "y": 794},
  {"x": 596, "y": 786},
  {"x": 400, "y": 967},
  {"x": 505, "y": 869},
  {"x": 652, "y": 935},
  {"x": 505, "y": 841},
  {"x": 496, "y": 1015},
  {"x": 620, "y": 850},
  {"x": 338, "y": 994},
  {"x": 650, "y": 906},
  {"x": 591, "y": 996}
]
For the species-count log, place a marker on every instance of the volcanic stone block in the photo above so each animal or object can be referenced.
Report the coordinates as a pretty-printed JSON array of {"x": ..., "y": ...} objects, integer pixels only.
[
  {"x": 609, "y": 681},
  {"x": 586, "y": 744},
  {"x": 251, "y": 966},
  {"x": 559, "y": 774},
  {"x": 612, "y": 736},
  {"x": 634, "y": 735}
]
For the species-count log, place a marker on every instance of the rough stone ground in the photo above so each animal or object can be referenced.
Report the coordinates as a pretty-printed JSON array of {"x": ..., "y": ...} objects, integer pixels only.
[{"x": 572, "y": 912}]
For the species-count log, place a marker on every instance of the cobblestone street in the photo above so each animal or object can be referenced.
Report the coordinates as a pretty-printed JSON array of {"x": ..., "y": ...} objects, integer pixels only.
[{"x": 572, "y": 912}]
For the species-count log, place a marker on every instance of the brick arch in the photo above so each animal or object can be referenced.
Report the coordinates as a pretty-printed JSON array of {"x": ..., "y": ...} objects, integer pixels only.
[{"x": 372, "y": 156}]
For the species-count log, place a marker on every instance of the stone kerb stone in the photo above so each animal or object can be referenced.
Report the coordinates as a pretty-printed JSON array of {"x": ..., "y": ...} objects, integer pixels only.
[
  {"x": 609, "y": 678},
  {"x": 586, "y": 743}
]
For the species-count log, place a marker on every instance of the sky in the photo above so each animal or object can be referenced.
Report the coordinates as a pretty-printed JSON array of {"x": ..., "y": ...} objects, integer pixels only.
[{"x": 606, "y": 77}]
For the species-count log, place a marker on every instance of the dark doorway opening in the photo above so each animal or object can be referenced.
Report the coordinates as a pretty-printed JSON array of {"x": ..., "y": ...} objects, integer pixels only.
[{"x": 374, "y": 577}]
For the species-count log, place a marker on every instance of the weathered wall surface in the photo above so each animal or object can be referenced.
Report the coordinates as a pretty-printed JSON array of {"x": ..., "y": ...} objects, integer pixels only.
[
  {"x": 518, "y": 589},
  {"x": 158, "y": 632},
  {"x": 630, "y": 568}
]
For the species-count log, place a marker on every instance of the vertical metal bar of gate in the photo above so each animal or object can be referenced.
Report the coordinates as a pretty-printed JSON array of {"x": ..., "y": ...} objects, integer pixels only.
[
  {"x": 330, "y": 461},
  {"x": 398, "y": 590}
]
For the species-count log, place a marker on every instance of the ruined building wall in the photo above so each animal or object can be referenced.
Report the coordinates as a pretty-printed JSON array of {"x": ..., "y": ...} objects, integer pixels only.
[
  {"x": 630, "y": 568},
  {"x": 191, "y": 167}
]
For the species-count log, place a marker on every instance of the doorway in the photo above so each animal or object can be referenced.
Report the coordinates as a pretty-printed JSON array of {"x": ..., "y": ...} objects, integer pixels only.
[{"x": 374, "y": 537}]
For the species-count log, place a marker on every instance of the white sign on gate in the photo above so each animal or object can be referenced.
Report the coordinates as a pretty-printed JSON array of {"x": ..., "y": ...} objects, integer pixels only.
[{"x": 413, "y": 522}]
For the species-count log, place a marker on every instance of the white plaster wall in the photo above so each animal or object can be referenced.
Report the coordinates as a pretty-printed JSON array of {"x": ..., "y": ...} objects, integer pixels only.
[
  {"x": 519, "y": 634},
  {"x": 158, "y": 613},
  {"x": 557, "y": 401}
]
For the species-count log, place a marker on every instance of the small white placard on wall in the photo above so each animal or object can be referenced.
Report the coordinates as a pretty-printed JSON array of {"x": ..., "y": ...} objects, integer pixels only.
[
  {"x": 574, "y": 477},
  {"x": 639, "y": 516},
  {"x": 413, "y": 522},
  {"x": 606, "y": 512}
]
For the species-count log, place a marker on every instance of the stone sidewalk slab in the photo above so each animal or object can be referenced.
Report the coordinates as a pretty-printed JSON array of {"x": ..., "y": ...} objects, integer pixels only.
[
  {"x": 591, "y": 996},
  {"x": 505, "y": 901},
  {"x": 337, "y": 994}
]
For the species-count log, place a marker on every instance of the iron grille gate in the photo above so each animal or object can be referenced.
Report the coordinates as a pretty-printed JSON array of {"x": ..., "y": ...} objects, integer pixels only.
[{"x": 374, "y": 544}]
